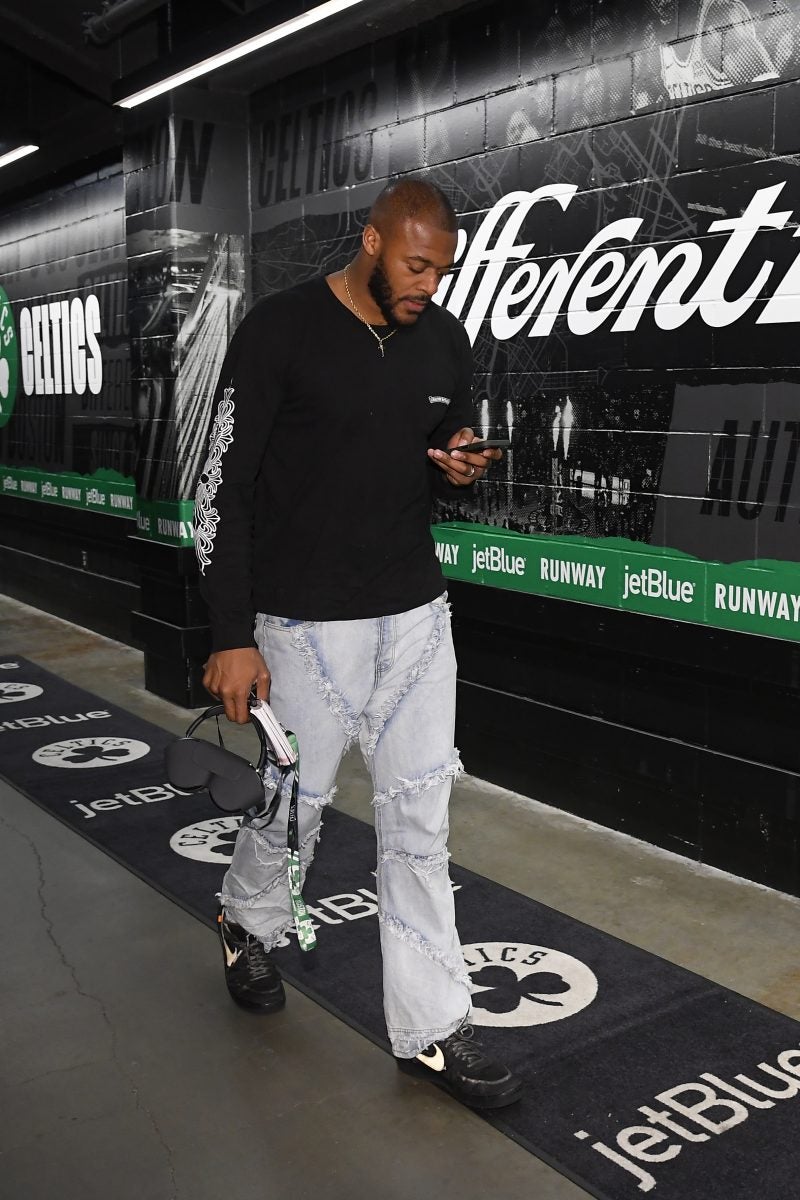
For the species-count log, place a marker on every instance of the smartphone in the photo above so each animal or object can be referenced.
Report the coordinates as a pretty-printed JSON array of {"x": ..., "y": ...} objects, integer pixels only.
[{"x": 487, "y": 444}]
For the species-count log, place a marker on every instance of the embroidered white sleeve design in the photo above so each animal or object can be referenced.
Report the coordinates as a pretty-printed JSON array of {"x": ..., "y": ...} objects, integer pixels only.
[{"x": 206, "y": 516}]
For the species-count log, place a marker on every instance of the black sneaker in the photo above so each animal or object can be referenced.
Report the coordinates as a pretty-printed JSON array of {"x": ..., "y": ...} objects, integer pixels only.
[
  {"x": 459, "y": 1065},
  {"x": 253, "y": 979}
]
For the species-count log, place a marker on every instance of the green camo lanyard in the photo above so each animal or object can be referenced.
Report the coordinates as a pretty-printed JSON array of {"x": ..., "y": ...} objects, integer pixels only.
[{"x": 302, "y": 921}]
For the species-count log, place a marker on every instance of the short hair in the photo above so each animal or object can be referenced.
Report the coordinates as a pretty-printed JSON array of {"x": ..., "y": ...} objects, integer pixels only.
[{"x": 413, "y": 199}]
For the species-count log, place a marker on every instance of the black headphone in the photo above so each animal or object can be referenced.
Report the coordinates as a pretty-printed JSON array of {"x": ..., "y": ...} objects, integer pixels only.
[{"x": 234, "y": 784}]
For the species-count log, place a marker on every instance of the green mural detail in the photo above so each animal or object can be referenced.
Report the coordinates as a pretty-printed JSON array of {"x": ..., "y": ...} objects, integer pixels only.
[
  {"x": 754, "y": 597},
  {"x": 104, "y": 491},
  {"x": 9, "y": 359},
  {"x": 170, "y": 521},
  {"x": 761, "y": 597}
]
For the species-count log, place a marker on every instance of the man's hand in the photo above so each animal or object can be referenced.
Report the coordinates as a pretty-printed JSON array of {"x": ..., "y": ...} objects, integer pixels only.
[
  {"x": 229, "y": 676},
  {"x": 459, "y": 467}
]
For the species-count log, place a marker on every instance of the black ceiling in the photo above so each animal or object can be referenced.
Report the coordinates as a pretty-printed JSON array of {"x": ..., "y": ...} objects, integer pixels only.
[{"x": 58, "y": 87}]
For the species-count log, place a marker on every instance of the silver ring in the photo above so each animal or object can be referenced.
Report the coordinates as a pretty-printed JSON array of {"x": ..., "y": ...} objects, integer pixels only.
[{"x": 471, "y": 471}]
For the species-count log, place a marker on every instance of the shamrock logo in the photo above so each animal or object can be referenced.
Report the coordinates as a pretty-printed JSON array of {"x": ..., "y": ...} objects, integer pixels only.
[
  {"x": 90, "y": 752},
  {"x": 13, "y": 690},
  {"x": 81, "y": 756},
  {"x": 209, "y": 841},
  {"x": 505, "y": 991},
  {"x": 515, "y": 983},
  {"x": 12, "y": 693},
  {"x": 224, "y": 845}
]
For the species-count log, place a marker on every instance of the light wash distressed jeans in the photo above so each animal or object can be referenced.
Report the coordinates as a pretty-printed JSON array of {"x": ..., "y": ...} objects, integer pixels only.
[{"x": 390, "y": 683}]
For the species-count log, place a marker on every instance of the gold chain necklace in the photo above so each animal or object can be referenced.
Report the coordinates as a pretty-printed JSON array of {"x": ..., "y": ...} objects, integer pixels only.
[{"x": 380, "y": 340}]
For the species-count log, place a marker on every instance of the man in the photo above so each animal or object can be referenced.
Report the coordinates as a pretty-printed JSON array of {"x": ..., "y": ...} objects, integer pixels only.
[{"x": 340, "y": 404}]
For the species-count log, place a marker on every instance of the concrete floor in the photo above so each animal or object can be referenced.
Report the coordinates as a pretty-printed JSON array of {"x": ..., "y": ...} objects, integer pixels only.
[{"x": 126, "y": 1071}]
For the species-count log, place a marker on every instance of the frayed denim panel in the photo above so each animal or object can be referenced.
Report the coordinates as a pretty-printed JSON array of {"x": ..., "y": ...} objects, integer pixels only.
[
  {"x": 404, "y": 787},
  {"x": 335, "y": 700},
  {"x": 377, "y": 724}
]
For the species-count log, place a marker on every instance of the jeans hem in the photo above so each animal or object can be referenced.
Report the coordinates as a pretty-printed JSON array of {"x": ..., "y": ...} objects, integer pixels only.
[
  {"x": 268, "y": 940},
  {"x": 408, "y": 1044}
]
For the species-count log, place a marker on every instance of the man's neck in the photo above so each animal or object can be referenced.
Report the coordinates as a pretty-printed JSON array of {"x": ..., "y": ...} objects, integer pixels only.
[{"x": 351, "y": 286}]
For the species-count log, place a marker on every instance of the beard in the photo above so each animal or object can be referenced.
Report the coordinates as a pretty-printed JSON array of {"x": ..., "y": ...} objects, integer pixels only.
[{"x": 381, "y": 292}]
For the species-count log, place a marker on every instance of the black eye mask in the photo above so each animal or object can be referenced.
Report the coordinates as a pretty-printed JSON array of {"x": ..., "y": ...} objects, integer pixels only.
[{"x": 234, "y": 784}]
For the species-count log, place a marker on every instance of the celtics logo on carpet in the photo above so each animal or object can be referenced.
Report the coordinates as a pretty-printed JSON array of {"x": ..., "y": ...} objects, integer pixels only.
[
  {"x": 514, "y": 983},
  {"x": 90, "y": 752},
  {"x": 207, "y": 841},
  {"x": 13, "y": 693}
]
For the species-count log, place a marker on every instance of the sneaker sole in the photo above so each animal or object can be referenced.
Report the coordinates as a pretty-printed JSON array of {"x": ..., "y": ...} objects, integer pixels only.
[
  {"x": 260, "y": 1009},
  {"x": 499, "y": 1100}
]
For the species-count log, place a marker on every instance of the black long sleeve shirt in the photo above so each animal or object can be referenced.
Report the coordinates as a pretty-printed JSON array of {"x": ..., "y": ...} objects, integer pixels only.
[{"x": 315, "y": 498}]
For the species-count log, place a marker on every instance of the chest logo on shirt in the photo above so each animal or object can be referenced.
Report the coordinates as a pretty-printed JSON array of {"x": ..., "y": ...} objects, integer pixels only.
[{"x": 438, "y": 399}]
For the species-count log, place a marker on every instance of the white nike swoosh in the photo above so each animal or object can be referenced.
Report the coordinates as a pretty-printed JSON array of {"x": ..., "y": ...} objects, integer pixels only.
[
  {"x": 232, "y": 956},
  {"x": 435, "y": 1061}
]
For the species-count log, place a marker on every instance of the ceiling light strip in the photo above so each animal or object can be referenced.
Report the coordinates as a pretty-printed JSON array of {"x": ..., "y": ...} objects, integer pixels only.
[
  {"x": 13, "y": 155},
  {"x": 276, "y": 34}
]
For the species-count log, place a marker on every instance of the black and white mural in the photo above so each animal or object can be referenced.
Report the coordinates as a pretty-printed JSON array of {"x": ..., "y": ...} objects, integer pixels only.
[
  {"x": 118, "y": 296},
  {"x": 186, "y": 205},
  {"x": 63, "y": 270},
  {"x": 626, "y": 179},
  {"x": 188, "y": 300}
]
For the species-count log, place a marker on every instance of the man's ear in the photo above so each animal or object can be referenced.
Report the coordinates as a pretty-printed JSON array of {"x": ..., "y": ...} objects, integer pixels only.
[{"x": 371, "y": 241}]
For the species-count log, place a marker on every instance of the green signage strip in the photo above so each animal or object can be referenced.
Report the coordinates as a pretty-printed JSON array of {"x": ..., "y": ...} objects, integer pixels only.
[
  {"x": 167, "y": 521},
  {"x": 755, "y": 597},
  {"x": 105, "y": 491}
]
